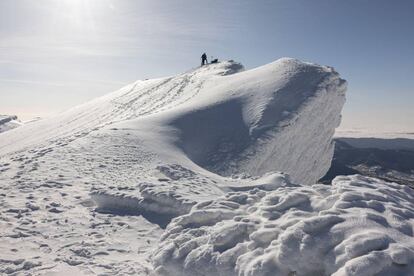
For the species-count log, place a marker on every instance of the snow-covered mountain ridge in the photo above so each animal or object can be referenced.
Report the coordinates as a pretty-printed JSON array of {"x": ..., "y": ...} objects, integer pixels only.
[
  {"x": 90, "y": 191},
  {"x": 230, "y": 122},
  {"x": 211, "y": 121},
  {"x": 152, "y": 150}
]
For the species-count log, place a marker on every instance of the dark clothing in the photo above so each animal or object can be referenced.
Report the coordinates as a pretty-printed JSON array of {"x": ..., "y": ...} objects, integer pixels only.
[{"x": 204, "y": 59}]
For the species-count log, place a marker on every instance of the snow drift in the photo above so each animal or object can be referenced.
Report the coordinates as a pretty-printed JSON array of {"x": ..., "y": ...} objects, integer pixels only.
[
  {"x": 201, "y": 150},
  {"x": 277, "y": 117},
  {"x": 228, "y": 122},
  {"x": 357, "y": 226},
  {"x": 151, "y": 151}
]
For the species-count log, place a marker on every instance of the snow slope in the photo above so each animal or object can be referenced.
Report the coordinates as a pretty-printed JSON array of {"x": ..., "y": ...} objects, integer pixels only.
[
  {"x": 252, "y": 122},
  {"x": 280, "y": 116},
  {"x": 92, "y": 188}
]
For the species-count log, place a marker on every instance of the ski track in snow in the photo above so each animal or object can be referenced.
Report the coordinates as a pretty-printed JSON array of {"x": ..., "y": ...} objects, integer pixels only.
[{"x": 47, "y": 217}]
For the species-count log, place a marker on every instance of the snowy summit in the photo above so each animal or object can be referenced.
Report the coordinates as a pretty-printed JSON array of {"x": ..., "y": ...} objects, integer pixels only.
[{"x": 220, "y": 162}]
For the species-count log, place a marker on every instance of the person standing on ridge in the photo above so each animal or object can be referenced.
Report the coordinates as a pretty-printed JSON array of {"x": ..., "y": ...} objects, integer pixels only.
[{"x": 204, "y": 59}]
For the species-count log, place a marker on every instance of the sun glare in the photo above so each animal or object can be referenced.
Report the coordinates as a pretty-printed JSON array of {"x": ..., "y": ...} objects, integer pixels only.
[{"x": 80, "y": 14}]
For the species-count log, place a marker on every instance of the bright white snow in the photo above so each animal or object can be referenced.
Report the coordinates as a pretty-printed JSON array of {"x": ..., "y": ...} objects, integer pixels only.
[
  {"x": 91, "y": 190},
  {"x": 357, "y": 226}
]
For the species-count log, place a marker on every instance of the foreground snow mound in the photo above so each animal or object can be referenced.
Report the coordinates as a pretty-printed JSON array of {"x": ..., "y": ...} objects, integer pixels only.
[
  {"x": 357, "y": 226},
  {"x": 8, "y": 122}
]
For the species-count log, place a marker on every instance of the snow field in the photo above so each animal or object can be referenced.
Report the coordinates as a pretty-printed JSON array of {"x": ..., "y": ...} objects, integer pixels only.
[{"x": 90, "y": 190}]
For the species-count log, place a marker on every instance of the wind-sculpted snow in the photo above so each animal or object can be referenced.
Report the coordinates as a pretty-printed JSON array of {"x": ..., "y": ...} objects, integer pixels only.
[
  {"x": 93, "y": 187},
  {"x": 278, "y": 117},
  {"x": 357, "y": 226}
]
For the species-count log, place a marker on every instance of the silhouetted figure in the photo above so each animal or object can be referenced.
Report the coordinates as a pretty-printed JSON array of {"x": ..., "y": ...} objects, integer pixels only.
[{"x": 204, "y": 59}]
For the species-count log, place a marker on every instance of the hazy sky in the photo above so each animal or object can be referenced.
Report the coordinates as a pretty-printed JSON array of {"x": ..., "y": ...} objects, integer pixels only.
[{"x": 58, "y": 53}]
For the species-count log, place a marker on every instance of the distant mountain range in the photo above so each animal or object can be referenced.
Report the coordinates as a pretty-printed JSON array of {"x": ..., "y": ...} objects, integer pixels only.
[{"x": 387, "y": 159}]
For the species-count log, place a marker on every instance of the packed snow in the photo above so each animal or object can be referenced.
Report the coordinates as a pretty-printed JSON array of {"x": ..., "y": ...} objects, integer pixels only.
[{"x": 92, "y": 190}]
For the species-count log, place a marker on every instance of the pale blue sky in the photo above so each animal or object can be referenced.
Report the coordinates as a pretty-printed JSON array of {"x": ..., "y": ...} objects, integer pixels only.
[{"x": 58, "y": 53}]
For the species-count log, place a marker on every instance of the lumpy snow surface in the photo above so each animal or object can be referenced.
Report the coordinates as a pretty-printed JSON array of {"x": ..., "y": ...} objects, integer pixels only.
[
  {"x": 91, "y": 190},
  {"x": 358, "y": 226},
  {"x": 193, "y": 159},
  {"x": 277, "y": 117}
]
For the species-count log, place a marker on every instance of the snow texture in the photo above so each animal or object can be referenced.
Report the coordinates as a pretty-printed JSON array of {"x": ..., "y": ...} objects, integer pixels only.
[
  {"x": 90, "y": 190},
  {"x": 278, "y": 117},
  {"x": 357, "y": 226}
]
